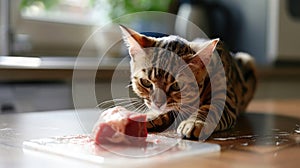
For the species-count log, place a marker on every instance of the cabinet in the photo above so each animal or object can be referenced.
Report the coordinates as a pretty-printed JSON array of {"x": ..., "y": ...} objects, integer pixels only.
[{"x": 29, "y": 97}]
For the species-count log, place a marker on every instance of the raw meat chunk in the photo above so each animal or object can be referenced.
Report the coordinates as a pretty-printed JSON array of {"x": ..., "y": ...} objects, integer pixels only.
[{"x": 120, "y": 126}]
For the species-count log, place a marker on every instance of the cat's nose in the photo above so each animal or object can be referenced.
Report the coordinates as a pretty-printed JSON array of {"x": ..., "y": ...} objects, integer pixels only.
[
  {"x": 159, "y": 98},
  {"x": 159, "y": 104}
]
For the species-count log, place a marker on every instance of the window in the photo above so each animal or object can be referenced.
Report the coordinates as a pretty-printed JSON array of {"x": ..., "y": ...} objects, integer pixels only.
[
  {"x": 60, "y": 27},
  {"x": 86, "y": 12}
]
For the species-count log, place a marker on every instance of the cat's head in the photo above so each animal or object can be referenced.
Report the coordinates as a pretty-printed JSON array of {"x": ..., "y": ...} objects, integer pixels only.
[{"x": 168, "y": 71}]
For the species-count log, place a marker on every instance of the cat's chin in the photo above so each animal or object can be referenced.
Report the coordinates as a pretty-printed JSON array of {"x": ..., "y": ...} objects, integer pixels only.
[
  {"x": 160, "y": 111},
  {"x": 156, "y": 110}
]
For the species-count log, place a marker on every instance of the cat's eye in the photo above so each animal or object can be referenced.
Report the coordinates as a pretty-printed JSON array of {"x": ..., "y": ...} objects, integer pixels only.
[
  {"x": 146, "y": 83},
  {"x": 175, "y": 87}
]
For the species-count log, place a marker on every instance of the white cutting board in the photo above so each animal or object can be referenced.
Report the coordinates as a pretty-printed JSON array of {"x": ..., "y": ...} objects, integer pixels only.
[{"x": 81, "y": 147}]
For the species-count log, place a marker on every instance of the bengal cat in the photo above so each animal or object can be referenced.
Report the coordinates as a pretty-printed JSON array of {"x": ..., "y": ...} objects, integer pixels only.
[{"x": 182, "y": 82}]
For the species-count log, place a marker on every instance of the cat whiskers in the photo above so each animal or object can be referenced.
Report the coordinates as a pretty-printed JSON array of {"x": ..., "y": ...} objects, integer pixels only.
[
  {"x": 129, "y": 85},
  {"x": 182, "y": 68},
  {"x": 142, "y": 108},
  {"x": 133, "y": 104},
  {"x": 192, "y": 111},
  {"x": 178, "y": 111},
  {"x": 174, "y": 112},
  {"x": 115, "y": 101},
  {"x": 185, "y": 111}
]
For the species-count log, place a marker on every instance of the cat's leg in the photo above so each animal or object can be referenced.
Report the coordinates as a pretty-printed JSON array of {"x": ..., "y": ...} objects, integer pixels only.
[
  {"x": 192, "y": 127},
  {"x": 201, "y": 121},
  {"x": 159, "y": 123},
  {"x": 246, "y": 64}
]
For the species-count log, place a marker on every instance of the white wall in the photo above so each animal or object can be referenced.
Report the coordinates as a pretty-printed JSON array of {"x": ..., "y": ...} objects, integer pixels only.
[{"x": 253, "y": 26}]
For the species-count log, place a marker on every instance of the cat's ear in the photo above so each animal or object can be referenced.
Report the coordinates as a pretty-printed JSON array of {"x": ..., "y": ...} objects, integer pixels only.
[
  {"x": 135, "y": 41},
  {"x": 204, "y": 52}
]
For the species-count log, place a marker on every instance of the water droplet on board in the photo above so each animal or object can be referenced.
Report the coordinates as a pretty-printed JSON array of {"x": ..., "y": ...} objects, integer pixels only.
[
  {"x": 297, "y": 129},
  {"x": 275, "y": 138},
  {"x": 244, "y": 144},
  {"x": 269, "y": 132},
  {"x": 7, "y": 132}
]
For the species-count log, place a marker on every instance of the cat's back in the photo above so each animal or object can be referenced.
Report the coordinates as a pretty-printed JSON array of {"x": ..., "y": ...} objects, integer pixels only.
[{"x": 240, "y": 70}]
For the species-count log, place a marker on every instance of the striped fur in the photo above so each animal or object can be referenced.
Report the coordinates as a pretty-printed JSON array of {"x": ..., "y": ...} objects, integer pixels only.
[{"x": 181, "y": 82}]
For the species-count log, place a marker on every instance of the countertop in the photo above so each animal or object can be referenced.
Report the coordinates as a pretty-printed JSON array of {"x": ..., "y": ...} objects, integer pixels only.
[{"x": 263, "y": 137}]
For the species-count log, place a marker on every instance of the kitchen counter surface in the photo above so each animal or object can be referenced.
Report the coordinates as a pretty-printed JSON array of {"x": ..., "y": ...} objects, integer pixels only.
[{"x": 265, "y": 136}]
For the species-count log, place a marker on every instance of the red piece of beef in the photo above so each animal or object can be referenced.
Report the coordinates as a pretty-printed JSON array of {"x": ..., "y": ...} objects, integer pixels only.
[{"x": 120, "y": 126}]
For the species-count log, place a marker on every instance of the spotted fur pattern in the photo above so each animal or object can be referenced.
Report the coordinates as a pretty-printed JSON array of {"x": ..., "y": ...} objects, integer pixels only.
[{"x": 193, "y": 86}]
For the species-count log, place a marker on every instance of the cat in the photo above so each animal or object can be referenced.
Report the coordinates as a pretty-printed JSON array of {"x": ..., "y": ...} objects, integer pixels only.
[{"x": 183, "y": 82}]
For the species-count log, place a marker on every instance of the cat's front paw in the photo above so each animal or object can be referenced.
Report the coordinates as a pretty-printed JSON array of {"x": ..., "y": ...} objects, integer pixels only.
[
  {"x": 157, "y": 123},
  {"x": 190, "y": 128}
]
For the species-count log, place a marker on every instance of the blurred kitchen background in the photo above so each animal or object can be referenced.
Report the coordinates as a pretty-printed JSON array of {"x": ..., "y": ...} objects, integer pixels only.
[{"x": 40, "y": 40}]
